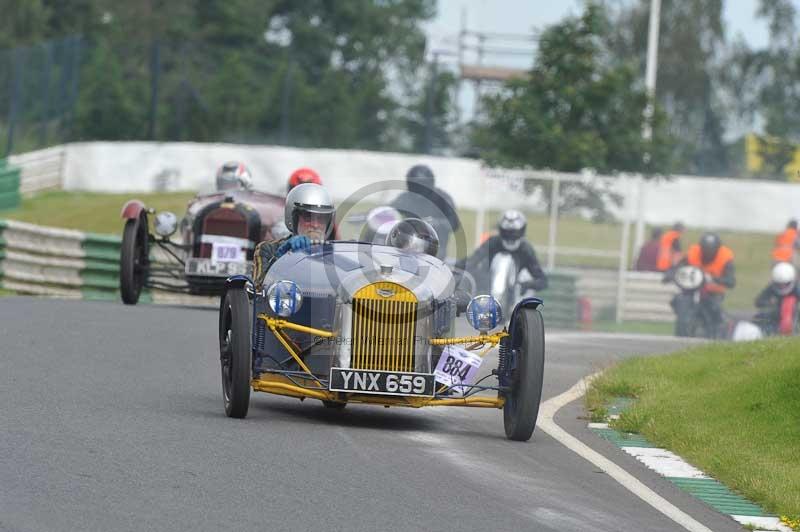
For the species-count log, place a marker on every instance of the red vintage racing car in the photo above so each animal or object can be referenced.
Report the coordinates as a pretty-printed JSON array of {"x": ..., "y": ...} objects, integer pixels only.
[{"x": 216, "y": 240}]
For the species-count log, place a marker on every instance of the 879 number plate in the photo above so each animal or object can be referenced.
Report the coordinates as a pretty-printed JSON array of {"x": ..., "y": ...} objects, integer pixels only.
[{"x": 381, "y": 382}]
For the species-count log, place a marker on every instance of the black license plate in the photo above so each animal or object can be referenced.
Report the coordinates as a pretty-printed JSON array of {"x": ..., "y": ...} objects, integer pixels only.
[
  {"x": 381, "y": 382},
  {"x": 218, "y": 269}
]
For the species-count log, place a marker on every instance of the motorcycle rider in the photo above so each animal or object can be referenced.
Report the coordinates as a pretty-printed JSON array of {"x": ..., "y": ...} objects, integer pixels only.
[
  {"x": 426, "y": 201},
  {"x": 303, "y": 175},
  {"x": 716, "y": 262},
  {"x": 770, "y": 301},
  {"x": 511, "y": 239},
  {"x": 234, "y": 175},
  {"x": 786, "y": 243},
  {"x": 308, "y": 216}
]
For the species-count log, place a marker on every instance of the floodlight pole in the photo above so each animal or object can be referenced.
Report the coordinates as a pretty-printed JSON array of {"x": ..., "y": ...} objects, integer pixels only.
[{"x": 650, "y": 85}]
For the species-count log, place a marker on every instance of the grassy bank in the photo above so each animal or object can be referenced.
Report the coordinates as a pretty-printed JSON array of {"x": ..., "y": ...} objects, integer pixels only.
[
  {"x": 99, "y": 213},
  {"x": 85, "y": 211},
  {"x": 733, "y": 410}
]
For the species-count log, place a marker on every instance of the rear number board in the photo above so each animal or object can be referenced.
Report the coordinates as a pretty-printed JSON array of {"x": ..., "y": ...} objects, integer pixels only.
[{"x": 381, "y": 382}]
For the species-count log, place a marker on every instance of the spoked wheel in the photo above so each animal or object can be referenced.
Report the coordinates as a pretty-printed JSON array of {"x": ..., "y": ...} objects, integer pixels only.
[
  {"x": 234, "y": 351},
  {"x": 133, "y": 260},
  {"x": 522, "y": 402}
]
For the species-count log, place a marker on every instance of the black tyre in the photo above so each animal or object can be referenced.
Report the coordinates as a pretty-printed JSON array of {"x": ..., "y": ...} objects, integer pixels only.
[
  {"x": 333, "y": 405},
  {"x": 522, "y": 402},
  {"x": 133, "y": 260},
  {"x": 683, "y": 327},
  {"x": 234, "y": 351}
]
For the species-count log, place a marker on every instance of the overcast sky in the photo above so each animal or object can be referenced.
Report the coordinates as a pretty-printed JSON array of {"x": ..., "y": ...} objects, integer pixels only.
[{"x": 523, "y": 16}]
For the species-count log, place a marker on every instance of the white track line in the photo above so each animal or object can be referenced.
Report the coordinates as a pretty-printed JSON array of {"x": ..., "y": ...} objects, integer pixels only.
[
  {"x": 664, "y": 462},
  {"x": 546, "y": 422}
]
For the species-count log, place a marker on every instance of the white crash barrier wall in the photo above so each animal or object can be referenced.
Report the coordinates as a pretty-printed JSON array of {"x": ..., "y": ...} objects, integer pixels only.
[
  {"x": 41, "y": 169},
  {"x": 735, "y": 204}
]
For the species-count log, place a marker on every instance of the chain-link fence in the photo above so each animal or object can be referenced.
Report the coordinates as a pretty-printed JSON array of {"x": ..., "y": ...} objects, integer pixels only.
[
  {"x": 39, "y": 87},
  {"x": 76, "y": 90}
]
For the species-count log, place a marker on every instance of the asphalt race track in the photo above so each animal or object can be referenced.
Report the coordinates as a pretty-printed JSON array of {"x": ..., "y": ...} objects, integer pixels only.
[{"x": 112, "y": 419}]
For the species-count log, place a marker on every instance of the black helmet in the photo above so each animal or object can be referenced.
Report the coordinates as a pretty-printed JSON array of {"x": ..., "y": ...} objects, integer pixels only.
[
  {"x": 413, "y": 234},
  {"x": 419, "y": 176},
  {"x": 709, "y": 245}
]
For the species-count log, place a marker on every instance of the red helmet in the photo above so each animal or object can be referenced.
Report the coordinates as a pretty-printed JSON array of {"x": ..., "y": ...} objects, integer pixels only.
[{"x": 303, "y": 175}]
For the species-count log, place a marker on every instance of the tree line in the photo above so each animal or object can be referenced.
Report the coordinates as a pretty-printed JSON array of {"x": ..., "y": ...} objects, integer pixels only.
[{"x": 353, "y": 74}]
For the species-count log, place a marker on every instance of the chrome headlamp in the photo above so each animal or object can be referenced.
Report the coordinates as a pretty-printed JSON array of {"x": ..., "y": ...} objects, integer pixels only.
[
  {"x": 484, "y": 313},
  {"x": 166, "y": 223},
  {"x": 284, "y": 298}
]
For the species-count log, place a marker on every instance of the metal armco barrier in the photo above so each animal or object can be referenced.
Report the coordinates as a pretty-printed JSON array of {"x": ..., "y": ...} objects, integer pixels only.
[
  {"x": 67, "y": 263},
  {"x": 64, "y": 263},
  {"x": 560, "y": 301},
  {"x": 645, "y": 297},
  {"x": 9, "y": 185}
]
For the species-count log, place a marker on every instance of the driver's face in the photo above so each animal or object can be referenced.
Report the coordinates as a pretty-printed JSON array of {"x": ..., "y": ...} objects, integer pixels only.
[{"x": 312, "y": 225}]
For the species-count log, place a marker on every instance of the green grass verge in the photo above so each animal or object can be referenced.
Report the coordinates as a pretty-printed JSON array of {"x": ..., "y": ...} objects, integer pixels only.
[
  {"x": 99, "y": 213},
  {"x": 85, "y": 211},
  {"x": 733, "y": 410}
]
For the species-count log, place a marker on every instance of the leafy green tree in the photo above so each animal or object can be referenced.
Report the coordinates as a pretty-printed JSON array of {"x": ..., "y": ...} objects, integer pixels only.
[
  {"x": 22, "y": 23},
  {"x": 107, "y": 109},
  {"x": 435, "y": 97},
  {"x": 575, "y": 109},
  {"x": 689, "y": 83}
]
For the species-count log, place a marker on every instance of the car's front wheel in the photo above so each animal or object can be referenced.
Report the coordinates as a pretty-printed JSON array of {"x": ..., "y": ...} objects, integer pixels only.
[
  {"x": 234, "y": 351},
  {"x": 133, "y": 260},
  {"x": 522, "y": 402}
]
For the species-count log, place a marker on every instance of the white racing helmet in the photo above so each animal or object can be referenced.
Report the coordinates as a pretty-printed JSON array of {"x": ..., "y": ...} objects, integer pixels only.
[
  {"x": 234, "y": 175},
  {"x": 309, "y": 198},
  {"x": 512, "y": 226},
  {"x": 784, "y": 277}
]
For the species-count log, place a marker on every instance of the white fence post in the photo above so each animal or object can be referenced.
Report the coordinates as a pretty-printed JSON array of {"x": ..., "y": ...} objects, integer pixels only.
[
  {"x": 641, "y": 190},
  {"x": 553, "y": 228},
  {"x": 623, "y": 251}
]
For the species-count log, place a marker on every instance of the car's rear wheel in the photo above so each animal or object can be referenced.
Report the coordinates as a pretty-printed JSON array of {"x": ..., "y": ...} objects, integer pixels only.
[
  {"x": 133, "y": 260},
  {"x": 522, "y": 402},
  {"x": 235, "y": 352}
]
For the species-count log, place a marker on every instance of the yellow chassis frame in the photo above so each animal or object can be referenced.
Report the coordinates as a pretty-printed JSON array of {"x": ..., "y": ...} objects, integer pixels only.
[{"x": 309, "y": 387}]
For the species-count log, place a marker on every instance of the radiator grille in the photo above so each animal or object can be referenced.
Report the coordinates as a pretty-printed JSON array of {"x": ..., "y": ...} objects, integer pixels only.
[
  {"x": 224, "y": 222},
  {"x": 384, "y": 325}
]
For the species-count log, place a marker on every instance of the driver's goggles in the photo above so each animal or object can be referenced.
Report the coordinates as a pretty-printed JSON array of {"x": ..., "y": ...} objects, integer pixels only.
[{"x": 314, "y": 218}]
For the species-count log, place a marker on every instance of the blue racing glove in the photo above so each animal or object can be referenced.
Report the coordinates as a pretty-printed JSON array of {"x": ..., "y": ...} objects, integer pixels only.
[{"x": 295, "y": 243}]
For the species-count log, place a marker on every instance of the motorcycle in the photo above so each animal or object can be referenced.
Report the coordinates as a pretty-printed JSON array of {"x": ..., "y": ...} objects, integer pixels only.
[
  {"x": 694, "y": 311},
  {"x": 503, "y": 281},
  {"x": 783, "y": 321}
]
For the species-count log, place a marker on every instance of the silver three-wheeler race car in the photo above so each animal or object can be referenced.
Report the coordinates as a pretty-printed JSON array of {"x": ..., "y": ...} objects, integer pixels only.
[{"x": 351, "y": 322}]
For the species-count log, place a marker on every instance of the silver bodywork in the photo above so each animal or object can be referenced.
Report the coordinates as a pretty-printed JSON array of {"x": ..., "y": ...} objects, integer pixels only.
[{"x": 338, "y": 270}]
